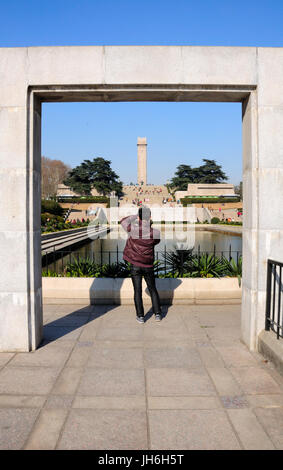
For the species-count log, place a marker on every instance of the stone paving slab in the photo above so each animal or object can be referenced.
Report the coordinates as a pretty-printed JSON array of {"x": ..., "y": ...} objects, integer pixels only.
[
  {"x": 22, "y": 401},
  {"x": 47, "y": 429},
  {"x": 254, "y": 380},
  {"x": 104, "y": 429},
  {"x": 80, "y": 354},
  {"x": 249, "y": 430},
  {"x": 100, "y": 380},
  {"x": 45, "y": 357},
  {"x": 118, "y": 334},
  {"x": 183, "y": 403},
  {"x": 67, "y": 320},
  {"x": 174, "y": 382},
  {"x": 191, "y": 430},
  {"x": 128, "y": 402},
  {"x": 272, "y": 420},
  {"x": 113, "y": 358},
  {"x": 236, "y": 356},
  {"x": 27, "y": 380},
  {"x": 66, "y": 309},
  {"x": 62, "y": 333},
  {"x": 172, "y": 357},
  {"x": 5, "y": 357},
  {"x": 224, "y": 382},
  {"x": 210, "y": 357},
  {"x": 68, "y": 381},
  {"x": 112, "y": 382},
  {"x": 15, "y": 426}
]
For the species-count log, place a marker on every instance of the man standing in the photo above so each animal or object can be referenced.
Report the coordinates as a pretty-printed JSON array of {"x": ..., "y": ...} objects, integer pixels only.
[{"x": 139, "y": 251}]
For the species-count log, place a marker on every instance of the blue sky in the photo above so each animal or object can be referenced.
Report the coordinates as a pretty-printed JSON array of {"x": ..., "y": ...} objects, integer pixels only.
[{"x": 176, "y": 132}]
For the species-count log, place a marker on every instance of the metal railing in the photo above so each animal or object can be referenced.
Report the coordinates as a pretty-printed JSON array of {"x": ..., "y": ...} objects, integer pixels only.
[
  {"x": 274, "y": 287},
  {"x": 58, "y": 259}
]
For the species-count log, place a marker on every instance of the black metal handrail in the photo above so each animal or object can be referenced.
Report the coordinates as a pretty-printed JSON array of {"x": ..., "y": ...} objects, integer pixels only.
[{"x": 274, "y": 287}]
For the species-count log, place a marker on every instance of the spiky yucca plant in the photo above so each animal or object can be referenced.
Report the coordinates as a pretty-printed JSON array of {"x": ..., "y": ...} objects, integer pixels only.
[
  {"x": 208, "y": 266},
  {"x": 82, "y": 267},
  {"x": 120, "y": 269},
  {"x": 177, "y": 262},
  {"x": 234, "y": 269}
]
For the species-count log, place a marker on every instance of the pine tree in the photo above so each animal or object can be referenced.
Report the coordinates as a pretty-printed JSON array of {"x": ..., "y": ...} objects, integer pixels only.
[{"x": 96, "y": 174}]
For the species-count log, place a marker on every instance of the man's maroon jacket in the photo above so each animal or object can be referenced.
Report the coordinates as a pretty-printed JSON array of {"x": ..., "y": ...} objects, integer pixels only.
[{"x": 139, "y": 249}]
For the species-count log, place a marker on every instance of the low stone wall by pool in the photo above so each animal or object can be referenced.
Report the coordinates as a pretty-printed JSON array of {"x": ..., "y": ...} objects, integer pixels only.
[{"x": 120, "y": 291}]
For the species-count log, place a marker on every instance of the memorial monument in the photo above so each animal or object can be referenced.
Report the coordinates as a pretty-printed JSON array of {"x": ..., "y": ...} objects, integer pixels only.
[{"x": 142, "y": 160}]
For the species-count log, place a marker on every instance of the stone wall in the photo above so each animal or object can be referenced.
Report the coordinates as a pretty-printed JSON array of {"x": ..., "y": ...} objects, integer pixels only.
[
  {"x": 206, "y": 189},
  {"x": 120, "y": 291}
]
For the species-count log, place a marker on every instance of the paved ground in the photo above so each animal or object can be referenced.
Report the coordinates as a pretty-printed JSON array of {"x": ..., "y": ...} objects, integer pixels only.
[{"x": 100, "y": 380}]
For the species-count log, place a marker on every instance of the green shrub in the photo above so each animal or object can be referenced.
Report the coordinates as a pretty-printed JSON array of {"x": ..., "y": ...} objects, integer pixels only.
[
  {"x": 49, "y": 273},
  {"x": 215, "y": 220},
  {"x": 52, "y": 207},
  {"x": 82, "y": 267},
  {"x": 223, "y": 222}
]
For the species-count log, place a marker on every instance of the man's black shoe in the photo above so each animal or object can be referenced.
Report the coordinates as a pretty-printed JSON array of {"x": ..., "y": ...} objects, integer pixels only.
[
  {"x": 158, "y": 317},
  {"x": 140, "y": 319}
]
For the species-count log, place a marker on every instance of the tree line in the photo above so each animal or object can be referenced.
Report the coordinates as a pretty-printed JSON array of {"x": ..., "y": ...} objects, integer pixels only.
[
  {"x": 98, "y": 174},
  {"x": 209, "y": 172}
]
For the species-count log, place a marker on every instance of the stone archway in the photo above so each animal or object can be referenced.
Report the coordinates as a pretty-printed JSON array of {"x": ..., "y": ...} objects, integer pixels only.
[{"x": 30, "y": 76}]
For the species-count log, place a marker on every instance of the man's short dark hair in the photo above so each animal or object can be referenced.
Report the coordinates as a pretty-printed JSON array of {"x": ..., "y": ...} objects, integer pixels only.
[{"x": 144, "y": 213}]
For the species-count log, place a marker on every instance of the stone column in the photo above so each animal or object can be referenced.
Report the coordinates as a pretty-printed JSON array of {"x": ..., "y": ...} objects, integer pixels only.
[
  {"x": 262, "y": 189},
  {"x": 250, "y": 221},
  {"x": 270, "y": 169},
  {"x": 142, "y": 160},
  {"x": 20, "y": 277}
]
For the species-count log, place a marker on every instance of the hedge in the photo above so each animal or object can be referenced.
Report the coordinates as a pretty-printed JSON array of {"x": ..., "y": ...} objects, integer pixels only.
[
  {"x": 100, "y": 199},
  {"x": 196, "y": 200}
]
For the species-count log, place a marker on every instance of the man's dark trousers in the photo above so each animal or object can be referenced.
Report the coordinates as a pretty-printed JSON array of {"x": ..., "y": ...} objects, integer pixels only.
[{"x": 137, "y": 273}]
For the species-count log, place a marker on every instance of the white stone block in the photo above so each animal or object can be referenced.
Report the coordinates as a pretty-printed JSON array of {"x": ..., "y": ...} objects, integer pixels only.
[
  {"x": 248, "y": 317},
  {"x": 75, "y": 65},
  {"x": 143, "y": 64},
  {"x": 250, "y": 198},
  {"x": 270, "y": 76},
  {"x": 250, "y": 258},
  {"x": 250, "y": 133},
  {"x": 216, "y": 288},
  {"x": 270, "y": 197},
  {"x": 13, "y": 137},
  {"x": 14, "y": 321},
  {"x": 219, "y": 65},
  {"x": 13, "y": 76},
  {"x": 270, "y": 137},
  {"x": 13, "y": 259},
  {"x": 13, "y": 199},
  {"x": 123, "y": 291}
]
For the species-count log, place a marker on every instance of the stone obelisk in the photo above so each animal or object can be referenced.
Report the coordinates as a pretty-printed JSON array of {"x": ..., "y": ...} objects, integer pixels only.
[{"x": 142, "y": 160}]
